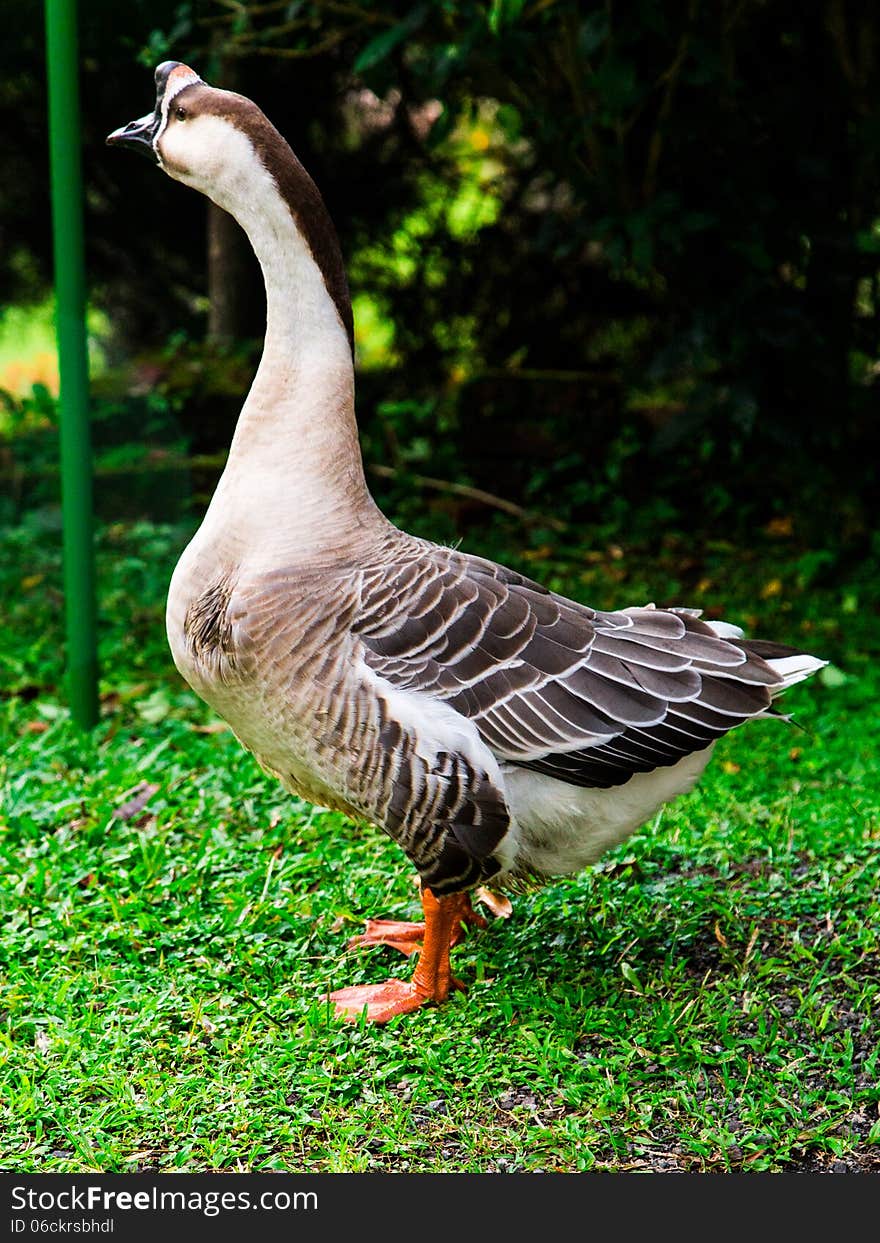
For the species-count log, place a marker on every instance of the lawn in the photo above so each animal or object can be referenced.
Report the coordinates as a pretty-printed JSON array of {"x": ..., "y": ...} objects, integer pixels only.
[{"x": 705, "y": 999}]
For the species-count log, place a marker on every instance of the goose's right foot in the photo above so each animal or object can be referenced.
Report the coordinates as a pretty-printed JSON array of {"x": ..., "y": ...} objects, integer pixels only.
[
  {"x": 408, "y": 938},
  {"x": 405, "y": 937}
]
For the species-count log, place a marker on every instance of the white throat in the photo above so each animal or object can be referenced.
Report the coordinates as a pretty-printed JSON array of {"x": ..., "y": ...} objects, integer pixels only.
[{"x": 293, "y": 485}]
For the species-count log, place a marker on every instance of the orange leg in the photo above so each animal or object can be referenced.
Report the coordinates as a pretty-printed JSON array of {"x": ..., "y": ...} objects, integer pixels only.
[
  {"x": 432, "y": 978},
  {"x": 408, "y": 938}
]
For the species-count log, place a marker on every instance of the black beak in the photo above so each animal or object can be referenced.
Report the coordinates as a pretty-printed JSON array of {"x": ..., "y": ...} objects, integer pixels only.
[{"x": 138, "y": 135}]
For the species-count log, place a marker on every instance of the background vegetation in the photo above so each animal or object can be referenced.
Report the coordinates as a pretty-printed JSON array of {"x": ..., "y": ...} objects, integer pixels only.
[
  {"x": 616, "y": 275},
  {"x": 589, "y": 245}
]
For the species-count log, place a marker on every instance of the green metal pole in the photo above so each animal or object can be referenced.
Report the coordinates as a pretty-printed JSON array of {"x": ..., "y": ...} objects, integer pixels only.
[{"x": 65, "y": 140}]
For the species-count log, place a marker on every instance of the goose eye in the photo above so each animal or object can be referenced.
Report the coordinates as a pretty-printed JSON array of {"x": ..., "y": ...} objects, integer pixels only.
[{"x": 181, "y": 114}]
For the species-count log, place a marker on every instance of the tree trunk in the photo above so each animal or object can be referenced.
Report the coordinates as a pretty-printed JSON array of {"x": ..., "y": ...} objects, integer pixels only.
[
  {"x": 230, "y": 277},
  {"x": 234, "y": 288}
]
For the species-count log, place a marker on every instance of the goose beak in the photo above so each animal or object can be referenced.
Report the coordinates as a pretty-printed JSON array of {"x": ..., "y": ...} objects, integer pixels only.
[
  {"x": 170, "y": 77},
  {"x": 138, "y": 135}
]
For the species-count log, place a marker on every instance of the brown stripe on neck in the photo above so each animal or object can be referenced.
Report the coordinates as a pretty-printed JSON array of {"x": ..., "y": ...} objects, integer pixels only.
[{"x": 294, "y": 184}]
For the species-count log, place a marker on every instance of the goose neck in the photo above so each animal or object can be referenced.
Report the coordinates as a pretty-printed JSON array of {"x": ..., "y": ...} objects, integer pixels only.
[{"x": 295, "y": 463}]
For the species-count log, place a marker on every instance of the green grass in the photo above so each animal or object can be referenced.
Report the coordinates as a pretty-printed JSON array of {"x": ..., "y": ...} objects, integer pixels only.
[{"x": 705, "y": 999}]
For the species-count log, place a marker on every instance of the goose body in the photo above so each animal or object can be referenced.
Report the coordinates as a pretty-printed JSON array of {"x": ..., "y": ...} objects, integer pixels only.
[{"x": 494, "y": 729}]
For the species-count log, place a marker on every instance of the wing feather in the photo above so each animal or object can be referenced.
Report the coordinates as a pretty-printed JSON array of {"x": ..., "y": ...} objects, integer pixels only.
[{"x": 589, "y": 697}]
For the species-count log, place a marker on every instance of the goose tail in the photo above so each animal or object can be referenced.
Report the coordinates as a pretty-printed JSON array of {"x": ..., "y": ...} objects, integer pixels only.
[{"x": 790, "y": 663}]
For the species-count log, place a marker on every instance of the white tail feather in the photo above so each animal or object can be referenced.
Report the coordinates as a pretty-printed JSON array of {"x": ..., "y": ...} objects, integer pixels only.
[{"x": 793, "y": 669}]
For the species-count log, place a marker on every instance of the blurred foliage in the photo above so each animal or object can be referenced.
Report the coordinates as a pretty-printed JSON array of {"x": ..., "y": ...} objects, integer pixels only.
[
  {"x": 27, "y": 347},
  {"x": 599, "y": 253}
]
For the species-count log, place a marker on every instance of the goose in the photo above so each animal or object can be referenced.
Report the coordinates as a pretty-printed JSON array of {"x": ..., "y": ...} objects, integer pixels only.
[{"x": 497, "y": 731}]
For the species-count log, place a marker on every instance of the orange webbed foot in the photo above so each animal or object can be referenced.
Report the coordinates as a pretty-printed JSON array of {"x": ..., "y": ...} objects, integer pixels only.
[
  {"x": 432, "y": 979},
  {"x": 408, "y": 938},
  {"x": 498, "y": 903},
  {"x": 405, "y": 937},
  {"x": 382, "y": 1001}
]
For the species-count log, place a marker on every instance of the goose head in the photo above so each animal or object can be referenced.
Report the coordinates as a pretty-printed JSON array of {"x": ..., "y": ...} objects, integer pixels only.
[
  {"x": 210, "y": 139},
  {"x": 221, "y": 144}
]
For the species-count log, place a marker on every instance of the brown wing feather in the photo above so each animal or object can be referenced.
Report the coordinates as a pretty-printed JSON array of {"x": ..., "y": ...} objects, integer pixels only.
[{"x": 553, "y": 685}]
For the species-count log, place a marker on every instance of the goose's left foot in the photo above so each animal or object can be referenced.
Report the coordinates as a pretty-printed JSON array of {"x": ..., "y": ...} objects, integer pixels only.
[
  {"x": 432, "y": 979},
  {"x": 383, "y": 1001}
]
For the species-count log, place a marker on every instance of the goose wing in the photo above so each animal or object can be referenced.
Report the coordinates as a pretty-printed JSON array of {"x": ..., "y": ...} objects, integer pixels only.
[{"x": 589, "y": 697}]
